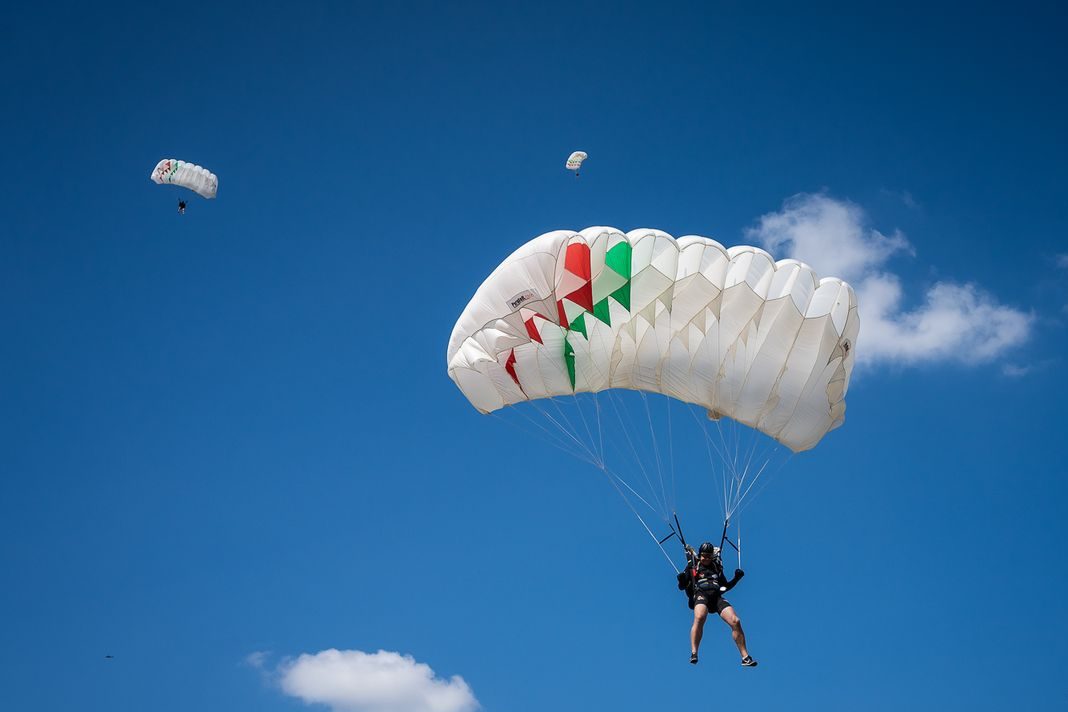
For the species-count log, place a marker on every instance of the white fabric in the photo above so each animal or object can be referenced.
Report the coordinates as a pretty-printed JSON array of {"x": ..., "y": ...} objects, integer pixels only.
[{"x": 767, "y": 343}]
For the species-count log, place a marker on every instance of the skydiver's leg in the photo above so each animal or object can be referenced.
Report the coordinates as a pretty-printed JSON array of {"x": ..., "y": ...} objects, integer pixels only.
[
  {"x": 731, "y": 618},
  {"x": 700, "y": 613}
]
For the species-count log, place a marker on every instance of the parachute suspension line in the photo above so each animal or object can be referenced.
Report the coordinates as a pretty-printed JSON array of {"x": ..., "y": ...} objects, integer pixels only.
[
  {"x": 730, "y": 445},
  {"x": 600, "y": 425},
  {"x": 659, "y": 544},
  {"x": 625, "y": 429},
  {"x": 671, "y": 454},
  {"x": 740, "y": 494},
  {"x": 587, "y": 455},
  {"x": 601, "y": 463},
  {"x": 592, "y": 458},
  {"x": 656, "y": 449},
  {"x": 766, "y": 456},
  {"x": 742, "y": 461},
  {"x": 710, "y": 445},
  {"x": 570, "y": 430},
  {"x": 729, "y": 451},
  {"x": 586, "y": 425},
  {"x": 738, "y": 476},
  {"x": 767, "y": 480},
  {"x": 602, "y": 376},
  {"x": 545, "y": 434},
  {"x": 614, "y": 479},
  {"x": 588, "y": 444},
  {"x": 567, "y": 431},
  {"x": 736, "y": 431},
  {"x": 630, "y": 489}
]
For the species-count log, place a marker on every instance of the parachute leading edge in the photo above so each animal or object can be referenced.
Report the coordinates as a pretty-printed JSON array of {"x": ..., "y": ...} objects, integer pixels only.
[{"x": 766, "y": 343}]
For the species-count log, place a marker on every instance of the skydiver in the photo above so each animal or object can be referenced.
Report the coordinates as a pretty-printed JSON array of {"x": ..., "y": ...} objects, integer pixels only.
[
  {"x": 181, "y": 207},
  {"x": 705, "y": 583}
]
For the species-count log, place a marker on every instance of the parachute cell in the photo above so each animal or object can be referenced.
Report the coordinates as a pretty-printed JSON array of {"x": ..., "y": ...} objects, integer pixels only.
[
  {"x": 187, "y": 175},
  {"x": 768, "y": 344}
]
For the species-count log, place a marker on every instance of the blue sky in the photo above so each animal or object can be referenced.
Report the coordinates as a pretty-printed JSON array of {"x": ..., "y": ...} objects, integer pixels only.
[{"x": 228, "y": 438}]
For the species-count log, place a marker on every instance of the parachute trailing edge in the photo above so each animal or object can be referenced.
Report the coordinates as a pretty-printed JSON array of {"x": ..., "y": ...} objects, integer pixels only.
[
  {"x": 767, "y": 343},
  {"x": 187, "y": 175}
]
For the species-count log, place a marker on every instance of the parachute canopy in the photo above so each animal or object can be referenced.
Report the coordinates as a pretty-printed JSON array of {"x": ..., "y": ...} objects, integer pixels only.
[
  {"x": 766, "y": 343},
  {"x": 574, "y": 161},
  {"x": 188, "y": 175}
]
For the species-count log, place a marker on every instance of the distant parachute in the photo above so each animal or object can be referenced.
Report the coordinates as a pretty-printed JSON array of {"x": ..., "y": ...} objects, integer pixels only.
[
  {"x": 574, "y": 161},
  {"x": 187, "y": 175}
]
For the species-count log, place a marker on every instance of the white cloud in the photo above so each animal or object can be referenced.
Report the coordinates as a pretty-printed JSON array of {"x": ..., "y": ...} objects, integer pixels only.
[
  {"x": 355, "y": 681},
  {"x": 954, "y": 322},
  {"x": 1062, "y": 261},
  {"x": 257, "y": 659},
  {"x": 906, "y": 198},
  {"x": 830, "y": 234}
]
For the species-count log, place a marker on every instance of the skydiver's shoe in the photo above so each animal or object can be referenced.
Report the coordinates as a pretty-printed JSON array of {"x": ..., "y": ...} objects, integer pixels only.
[
  {"x": 748, "y": 661},
  {"x": 693, "y": 658}
]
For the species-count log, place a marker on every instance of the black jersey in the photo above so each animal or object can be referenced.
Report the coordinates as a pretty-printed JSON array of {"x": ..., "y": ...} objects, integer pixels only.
[{"x": 709, "y": 577}]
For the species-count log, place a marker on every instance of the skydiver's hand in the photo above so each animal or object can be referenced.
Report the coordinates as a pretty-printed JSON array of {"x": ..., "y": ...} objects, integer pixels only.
[{"x": 738, "y": 573}]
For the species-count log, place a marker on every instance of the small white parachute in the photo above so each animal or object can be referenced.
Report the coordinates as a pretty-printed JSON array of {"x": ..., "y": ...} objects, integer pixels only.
[
  {"x": 574, "y": 161},
  {"x": 187, "y": 175}
]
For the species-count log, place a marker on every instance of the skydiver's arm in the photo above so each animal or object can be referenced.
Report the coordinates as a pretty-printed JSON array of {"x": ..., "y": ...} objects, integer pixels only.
[
  {"x": 738, "y": 574},
  {"x": 685, "y": 577}
]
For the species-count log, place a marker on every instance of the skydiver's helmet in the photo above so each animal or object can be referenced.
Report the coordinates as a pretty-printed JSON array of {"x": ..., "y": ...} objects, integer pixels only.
[{"x": 708, "y": 548}]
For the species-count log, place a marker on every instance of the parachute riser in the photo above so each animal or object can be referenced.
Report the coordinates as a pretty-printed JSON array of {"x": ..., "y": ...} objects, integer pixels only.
[
  {"x": 676, "y": 531},
  {"x": 724, "y": 538}
]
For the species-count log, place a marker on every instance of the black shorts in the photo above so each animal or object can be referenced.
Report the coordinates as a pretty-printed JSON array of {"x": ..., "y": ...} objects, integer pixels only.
[{"x": 715, "y": 602}]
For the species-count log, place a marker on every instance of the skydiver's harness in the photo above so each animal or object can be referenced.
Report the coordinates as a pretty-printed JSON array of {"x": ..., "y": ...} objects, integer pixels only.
[{"x": 694, "y": 578}]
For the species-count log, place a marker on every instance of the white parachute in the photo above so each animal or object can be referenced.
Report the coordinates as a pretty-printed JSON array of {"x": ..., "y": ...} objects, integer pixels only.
[
  {"x": 187, "y": 175},
  {"x": 766, "y": 343},
  {"x": 574, "y": 161},
  {"x": 744, "y": 337}
]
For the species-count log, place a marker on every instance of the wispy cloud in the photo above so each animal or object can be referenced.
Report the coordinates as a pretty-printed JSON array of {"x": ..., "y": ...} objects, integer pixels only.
[
  {"x": 1062, "y": 261},
  {"x": 954, "y": 321},
  {"x": 1013, "y": 371},
  {"x": 257, "y": 659},
  {"x": 906, "y": 198},
  {"x": 355, "y": 681}
]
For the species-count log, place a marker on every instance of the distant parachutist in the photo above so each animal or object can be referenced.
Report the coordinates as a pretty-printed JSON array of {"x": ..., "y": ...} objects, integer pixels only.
[
  {"x": 574, "y": 161},
  {"x": 171, "y": 171}
]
